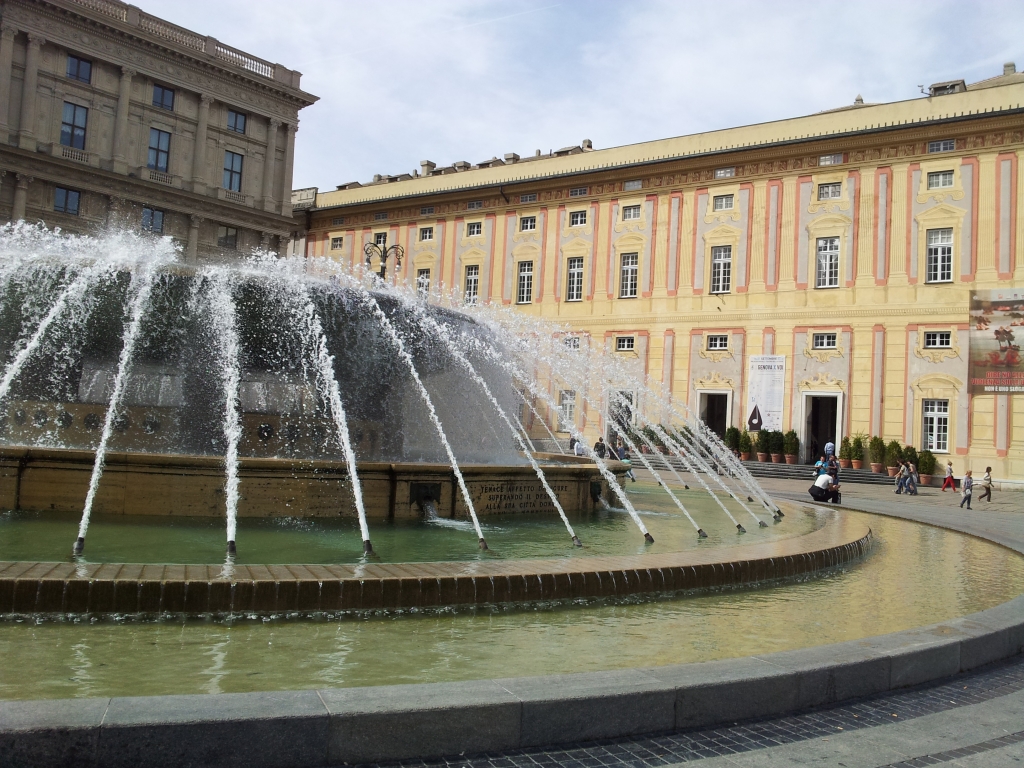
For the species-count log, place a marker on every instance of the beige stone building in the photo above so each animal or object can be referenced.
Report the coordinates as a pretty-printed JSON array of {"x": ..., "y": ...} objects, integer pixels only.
[{"x": 111, "y": 116}]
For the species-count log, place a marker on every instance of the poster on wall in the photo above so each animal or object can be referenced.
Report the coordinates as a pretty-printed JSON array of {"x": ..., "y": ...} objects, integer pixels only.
[
  {"x": 996, "y": 337},
  {"x": 766, "y": 386}
]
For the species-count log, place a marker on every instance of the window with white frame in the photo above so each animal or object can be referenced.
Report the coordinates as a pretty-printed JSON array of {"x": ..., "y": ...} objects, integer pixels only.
[
  {"x": 722, "y": 203},
  {"x": 572, "y": 342},
  {"x": 427, "y": 210},
  {"x": 426, "y": 233},
  {"x": 824, "y": 341},
  {"x": 629, "y": 275},
  {"x": 625, "y": 343},
  {"x": 577, "y": 218},
  {"x": 566, "y": 410},
  {"x": 475, "y": 205},
  {"x": 578, "y": 191},
  {"x": 935, "y": 425},
  {"x": 337, "y": 243},
  {"x": 380, "y": 216},
  {"x": 725, "y": 173},
  {"x": 633, "y": 185},
  {"x": 471, "y": 291},
  {"x": 527, "y": 223},
  {"x": 423, "y": 282},
  {"x": 836, "y": 159},
  {"x": 574, "y": 279},
  {"x": 939, "y": 256},
  {"x": 474, "y": 228},
  {"x": 938, "y": 339},
  {"x": 721, "y": 268},
  {"x": 943, "y": 145},
  {"x": 827, "y": 267},
  {"x": 718, "y": 341},
  {"x": 530, "y": 198},
  {"x": 940, "y": 179},
  {"x": 524, "y": 294},
  {"x": 381, "y": 239},
  {"x": 630, "y": 212},
  {"x": 832, "y": 191}
]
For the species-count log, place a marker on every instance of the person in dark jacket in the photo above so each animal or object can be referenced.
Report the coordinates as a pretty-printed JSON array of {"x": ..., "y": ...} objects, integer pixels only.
[{"x": 600, "y": 448}]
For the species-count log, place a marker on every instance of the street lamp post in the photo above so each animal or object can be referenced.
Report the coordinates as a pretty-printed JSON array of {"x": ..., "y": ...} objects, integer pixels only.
[{"x": 383, "y": 251}]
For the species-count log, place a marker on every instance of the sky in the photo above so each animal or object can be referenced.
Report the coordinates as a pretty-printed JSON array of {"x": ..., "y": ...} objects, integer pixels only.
[{"x": 448, "y": 80}]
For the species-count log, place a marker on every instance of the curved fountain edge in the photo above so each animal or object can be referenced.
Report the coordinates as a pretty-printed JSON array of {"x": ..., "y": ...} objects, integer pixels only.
[{"x": 334, "y": 726}]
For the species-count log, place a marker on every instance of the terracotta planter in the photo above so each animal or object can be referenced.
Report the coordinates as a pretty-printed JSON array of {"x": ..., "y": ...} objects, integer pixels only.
[
  {"x": 790, "y": 458},
  {"x": 745, "y": 456},
  {"x": 926, "y": 480},
  {"x": 877, "y": 468},
  {"x": 845, "y": 463},
  {"x": 762, "y": 456},
  {"x": 858, "y": 463},
  {"x": 777, "y": 458},
  {"x": 892, "y": 471}
]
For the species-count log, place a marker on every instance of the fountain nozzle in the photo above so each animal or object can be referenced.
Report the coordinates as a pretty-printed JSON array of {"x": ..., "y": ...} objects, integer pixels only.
[
  {"x": 686, "y": 486},
  {"x": 231, "y": 548},
  {"x": 779, "y": 512},
  {"x": 749, "y": 498},
  {"x": 762, "y": 524},
  {"x": 79, "y": 546},
  {"x": 483, "y": 544},
  {"x": 648, "y": 538},
  {"x": 777, "y": 518},
  {"x": 701, "y": 534},
  {"x": 367, "y": 547},
  {"x": 740, "y": 528},
  {"x": 576, "y": 541}
]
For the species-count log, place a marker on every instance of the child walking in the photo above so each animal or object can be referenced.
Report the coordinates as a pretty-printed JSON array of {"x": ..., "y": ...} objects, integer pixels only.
[{"x": 967, "y": 489}]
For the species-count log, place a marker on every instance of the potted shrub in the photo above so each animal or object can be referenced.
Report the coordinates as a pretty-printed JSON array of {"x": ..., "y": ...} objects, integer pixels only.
[
  {"x": 876, "y": 447},
  {"x": 791, "y": 447},
  {"x": 746, "y": 446},
  {"x": 846, "y": 453},
  {"x": 777, "y": 447},
  {"x": 926, "y": 467},
  {"x": 764, "y": 448},
  {"x": 857, "y": 452},
  {"x": 732, "y": 439},
  {"x": 893, "y": 454}
]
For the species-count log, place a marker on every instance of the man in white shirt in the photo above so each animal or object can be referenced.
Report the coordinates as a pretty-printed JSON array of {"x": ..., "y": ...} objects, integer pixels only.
[
  {"x": 825, "y": 488},
  {"x": 830, "y": 449}
]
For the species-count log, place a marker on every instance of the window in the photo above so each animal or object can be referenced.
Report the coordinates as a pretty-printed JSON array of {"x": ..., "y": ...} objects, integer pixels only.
[
  {"x": 163, "y": 97},
  {"x": 935, "y": 429},
  {"x": 427, "y": 210},
  {"x": 566, "y": 410},
  {"x": 474, "y": 229},
  {"x": 633, "y": 185},
  {"x": 629, "y": 275},
  {"x": 475, "y": 205},
  {"x": 380, "y": 216},
  {"x": 381, "y": 239},
  {"x": 831, "y": 159},
  {"x": 940, "y": 179},
  {"x": 525, "y": 293},
  {"x": 572, "y": 342},
  {"x": 152, "y": 220},
  {"x": 337, "y": 221},
  {"x": 718, "y": 341},
  {"x": 578, "y": 191},
  {"x": 530, "y": 198},
  {"x": 472, "y": 289},
  {"x": 423, "y": 282},
  {"x": 944, "y": 145},
  {"x": 236, "y": 121},
  {"x": 725, "y": 173},
  {"x": 824, "y": 341},
  {"x": 574, "y": 281},
  {"x": 939, "y": 256},
  {"x": 577, "y": 218},
  {"x": 830, "y": 191},
  {"x": 624, "y": 343},
  {"x": 827, "y": 272},
  {"x": 66, "y": 200},
  {"x": 426, "y": 233},
  {"x": 527, "y": 223},
  {"x": 79, "y": 69},
  {"x": 938, "y": 339},
  {"x": 721, "y": 268},
  {"x": 72, "y": 125},
  {"x": 227, "y": 237},
  {"x": 232, "y": 171},
  {"x": 159, "y": 149},
  {"x": 722, "y": 203},
  {"x": 630, "y": 212},
  {"x": 337, "y": 243}
]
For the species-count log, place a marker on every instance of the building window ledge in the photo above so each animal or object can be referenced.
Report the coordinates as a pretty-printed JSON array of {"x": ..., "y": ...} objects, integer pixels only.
[{"x": 159, "y": 177}]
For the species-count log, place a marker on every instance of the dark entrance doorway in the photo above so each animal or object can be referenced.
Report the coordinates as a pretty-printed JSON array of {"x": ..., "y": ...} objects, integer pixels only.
[
  {"x": 714, "y": 411},
  {"x": 821, "y": 425}
]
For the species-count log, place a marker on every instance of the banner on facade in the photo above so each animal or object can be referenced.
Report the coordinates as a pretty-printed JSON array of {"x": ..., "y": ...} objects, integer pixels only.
[
  {"x": 766, "y": 388},
  {"x": 996, "y": 336}
]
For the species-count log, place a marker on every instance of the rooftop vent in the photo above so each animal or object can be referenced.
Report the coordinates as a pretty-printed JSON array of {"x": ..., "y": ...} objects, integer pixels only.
[
  {"x": 427, "y": 167},
  {"x": 944, "y": 89},
  {"x": 1009, "y": 68}
]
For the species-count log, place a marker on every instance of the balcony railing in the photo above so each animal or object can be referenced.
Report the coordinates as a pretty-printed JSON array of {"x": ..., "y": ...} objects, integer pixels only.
[
  {"x": 234, "y": 197},
  {"x": 70, "y": 153}
]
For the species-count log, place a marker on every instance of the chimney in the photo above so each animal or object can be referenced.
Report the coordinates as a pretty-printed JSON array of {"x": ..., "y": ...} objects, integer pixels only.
[
  {"x": 511, "y": 157},
  {"x": 376, "y": 177},
  {"x": 427, "y": 167},
  {"x": 461, "y": 165},
  {"x": 537, "y": 153},
  {"x": 587, "y": 145},
  {"x": 1009, "y": 68},
  {"x": 859, "y": 100}
]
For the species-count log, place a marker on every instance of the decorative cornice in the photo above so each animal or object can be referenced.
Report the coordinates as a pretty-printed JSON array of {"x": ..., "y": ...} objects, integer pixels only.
[
  {"x": 714, "y": 380},
  {"x": 822, "y": 381},
  {"x": 937, "y": 354}
]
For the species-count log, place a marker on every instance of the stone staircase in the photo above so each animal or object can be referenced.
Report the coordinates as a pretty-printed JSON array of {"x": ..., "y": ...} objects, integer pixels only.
[{"x": 805, "y": 472}]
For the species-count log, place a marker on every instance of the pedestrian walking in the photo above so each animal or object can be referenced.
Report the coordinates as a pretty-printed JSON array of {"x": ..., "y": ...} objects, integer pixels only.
[
  {"x": 624, "y": 458},
  {"x": 986, "y": 485},
  {"x": 910, "y": 486},
  {"x": 580, "y": 449},
  {"x": 949, "y": 481},
  {"x": 600, "y": 448},
  {"x": 966, "y": 489},
  {"x": 572, "y": 444},
  {"x": 830, "y": 448}
]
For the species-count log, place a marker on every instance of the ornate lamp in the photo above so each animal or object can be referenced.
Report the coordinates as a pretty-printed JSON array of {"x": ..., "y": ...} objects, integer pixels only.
[{"x": 383, "y": 251}]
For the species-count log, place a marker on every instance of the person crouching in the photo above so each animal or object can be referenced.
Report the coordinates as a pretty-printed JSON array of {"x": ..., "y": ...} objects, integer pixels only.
[{"x": 825, "y": 488}]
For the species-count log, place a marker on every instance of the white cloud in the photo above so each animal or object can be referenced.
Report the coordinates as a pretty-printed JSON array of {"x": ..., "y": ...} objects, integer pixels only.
[{"x": 461, "y": 80}]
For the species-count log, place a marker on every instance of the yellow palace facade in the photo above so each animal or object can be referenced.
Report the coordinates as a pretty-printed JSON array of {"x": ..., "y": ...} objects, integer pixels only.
[{"x": 845, "y": 244}]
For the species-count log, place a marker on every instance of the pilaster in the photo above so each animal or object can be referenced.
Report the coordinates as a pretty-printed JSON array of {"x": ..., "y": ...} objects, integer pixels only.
[
  {"x": 27, "y": 133},
  {"x": 20, "y": 197},
  {"x": 7, "y": 33},
  {"x": 757, "y": 244},
  {"x": 192, "y": 248},
  {"x": 124, "y": 93},
  {"x": 987, "y": 267},
  {"x": 289, "y": 161},
  {"x": 199, "y": 153},
  {"x": 269, "y": 162}
]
